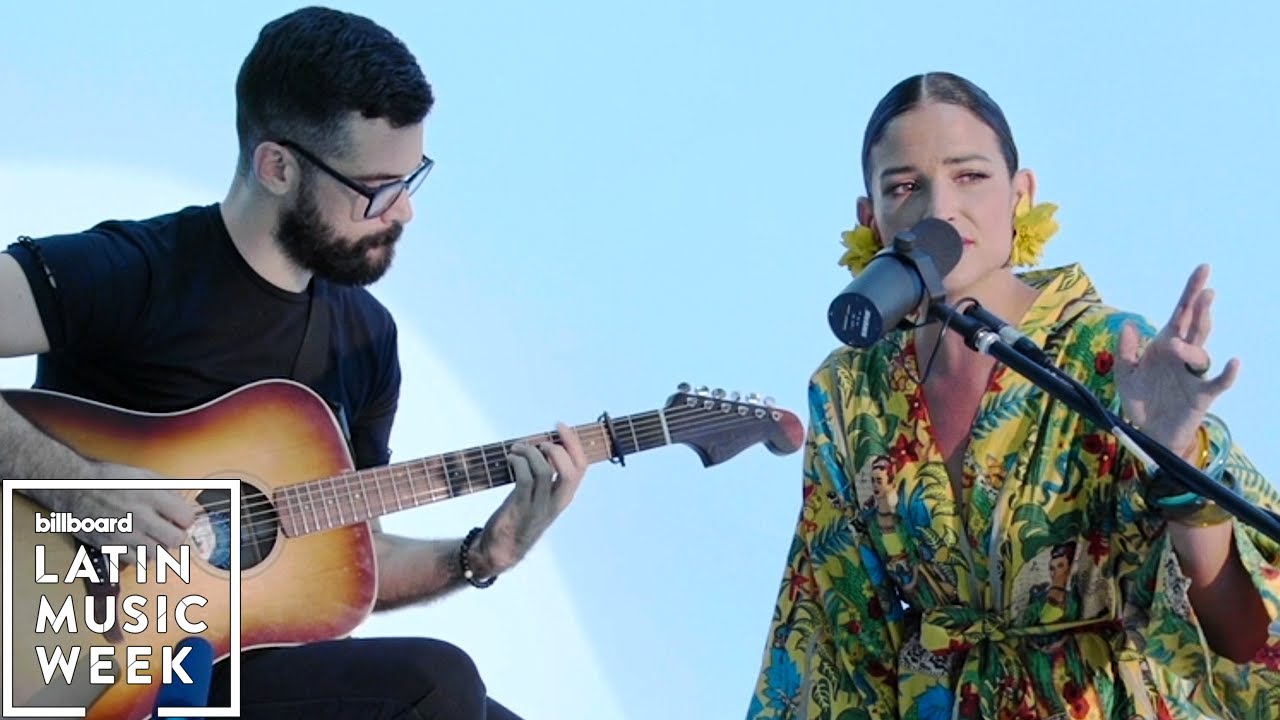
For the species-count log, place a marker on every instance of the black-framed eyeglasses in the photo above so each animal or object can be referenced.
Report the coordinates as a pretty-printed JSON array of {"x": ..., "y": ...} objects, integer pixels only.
[{"x": 380, "y": 198}]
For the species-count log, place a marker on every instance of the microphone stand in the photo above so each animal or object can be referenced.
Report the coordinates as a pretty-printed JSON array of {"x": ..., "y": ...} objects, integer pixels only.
[{"x": 980, "y": 337}]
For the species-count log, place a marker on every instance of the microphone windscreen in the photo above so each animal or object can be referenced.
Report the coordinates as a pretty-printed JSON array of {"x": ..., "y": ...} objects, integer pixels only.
[{"x": 939, "y": 240}]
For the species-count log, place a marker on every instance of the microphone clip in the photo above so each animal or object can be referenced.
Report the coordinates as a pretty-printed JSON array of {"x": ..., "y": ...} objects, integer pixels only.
[{"x": 906, "y": 248}]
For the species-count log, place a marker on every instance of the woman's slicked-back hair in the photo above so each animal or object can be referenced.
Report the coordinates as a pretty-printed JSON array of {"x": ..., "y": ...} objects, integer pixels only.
[{"x": 941, "y": 87}]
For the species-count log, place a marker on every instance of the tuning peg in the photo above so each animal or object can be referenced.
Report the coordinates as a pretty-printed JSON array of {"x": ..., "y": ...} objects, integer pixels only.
[
  {"x": 717, "y": 393},
  {"x": 684, "y": 387},
  {"x": 753, "y": 398},
  {"x": 770, "y": 402},
  {"x": 735, "y": 396},
  {"x": 703, "y": 390}
]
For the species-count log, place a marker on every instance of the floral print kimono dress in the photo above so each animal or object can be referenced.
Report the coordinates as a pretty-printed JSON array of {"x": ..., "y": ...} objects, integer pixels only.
[{"x": 1046, "y": 591}]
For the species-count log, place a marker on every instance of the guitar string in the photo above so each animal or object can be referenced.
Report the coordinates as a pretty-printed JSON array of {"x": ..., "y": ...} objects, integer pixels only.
[
  {"x": 642, "y": 431},
  {"x": 433, "y": 492},
  {"x": 400, "y": 471},
  {"x": 643, "y": 435}
]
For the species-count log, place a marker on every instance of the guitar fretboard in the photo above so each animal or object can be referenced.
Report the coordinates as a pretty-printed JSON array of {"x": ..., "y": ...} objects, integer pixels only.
[{"x": 362, "y": 495}]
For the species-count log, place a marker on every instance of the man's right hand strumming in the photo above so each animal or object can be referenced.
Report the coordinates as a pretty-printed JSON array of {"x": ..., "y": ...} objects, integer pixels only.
[{"x": 160, "y": 517}]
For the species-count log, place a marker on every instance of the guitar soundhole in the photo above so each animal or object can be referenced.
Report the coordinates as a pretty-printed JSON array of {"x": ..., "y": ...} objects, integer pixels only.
[{"x": 259, "y": 527}]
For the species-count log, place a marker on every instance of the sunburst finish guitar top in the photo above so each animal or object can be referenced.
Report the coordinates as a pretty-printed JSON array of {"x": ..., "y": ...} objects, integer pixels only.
[{"x": 307, "y": 563}]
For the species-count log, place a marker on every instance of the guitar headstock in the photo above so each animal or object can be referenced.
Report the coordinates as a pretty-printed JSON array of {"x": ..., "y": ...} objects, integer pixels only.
[{"x": 718, "y": 425}]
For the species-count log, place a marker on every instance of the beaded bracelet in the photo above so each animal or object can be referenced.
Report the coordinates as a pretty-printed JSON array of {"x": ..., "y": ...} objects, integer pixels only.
[{"x": 465, "y": 564}]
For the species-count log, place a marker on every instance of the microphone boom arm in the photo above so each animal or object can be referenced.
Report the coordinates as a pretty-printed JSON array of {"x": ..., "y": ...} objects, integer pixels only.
[{"x": 981, "y": 338}]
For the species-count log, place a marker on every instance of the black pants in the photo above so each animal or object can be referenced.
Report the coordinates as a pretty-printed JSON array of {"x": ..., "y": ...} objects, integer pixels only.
[{"x": 368, "y": 679}]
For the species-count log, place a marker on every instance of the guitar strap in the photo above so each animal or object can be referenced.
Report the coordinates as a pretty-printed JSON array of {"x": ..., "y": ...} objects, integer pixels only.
[
  {"x": 309, "y": 366},
  {"x": 313, "y": 355},
  {"x": 310, "y": 363}
]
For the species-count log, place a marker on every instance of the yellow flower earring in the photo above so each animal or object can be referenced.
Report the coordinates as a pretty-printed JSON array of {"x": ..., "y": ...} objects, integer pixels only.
[
  {"x": 1032, "y": 228},
  {"x": 861, "y": 245}
]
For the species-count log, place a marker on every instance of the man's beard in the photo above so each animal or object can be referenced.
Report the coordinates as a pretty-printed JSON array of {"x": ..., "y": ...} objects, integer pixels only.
[{"x": 314, "y": 245}]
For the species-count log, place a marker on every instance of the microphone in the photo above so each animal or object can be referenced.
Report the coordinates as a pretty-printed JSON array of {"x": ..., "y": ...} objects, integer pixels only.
[
  {"x": 898, "y": 279},
  {"x": 198, "y": 664},
  {"x": 1009, "y": 334}
]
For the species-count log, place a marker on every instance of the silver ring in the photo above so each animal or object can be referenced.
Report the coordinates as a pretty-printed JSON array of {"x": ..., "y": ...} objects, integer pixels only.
[{"x": 1198, "y": 372}]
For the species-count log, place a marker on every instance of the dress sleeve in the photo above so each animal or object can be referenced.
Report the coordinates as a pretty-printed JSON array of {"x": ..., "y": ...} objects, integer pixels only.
[
  {"x": 830, "y": 651},
  {"x": 1171, "y": 636}
]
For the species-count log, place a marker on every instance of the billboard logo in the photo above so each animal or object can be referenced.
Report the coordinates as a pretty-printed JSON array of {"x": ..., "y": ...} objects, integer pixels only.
[{"x": 91, "y": 631}]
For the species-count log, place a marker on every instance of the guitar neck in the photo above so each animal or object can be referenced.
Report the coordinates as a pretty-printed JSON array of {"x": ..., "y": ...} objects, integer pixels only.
[{"x": 361, "y": 495}]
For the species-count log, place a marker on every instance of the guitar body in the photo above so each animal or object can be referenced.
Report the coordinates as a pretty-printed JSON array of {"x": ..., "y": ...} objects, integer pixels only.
[
  {"x": 308, "y": 570},
  {"x": 269, "y": 435}
]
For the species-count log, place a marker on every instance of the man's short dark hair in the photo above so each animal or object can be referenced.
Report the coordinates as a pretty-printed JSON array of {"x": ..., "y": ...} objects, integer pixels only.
[{"x": 311, "y": 69}]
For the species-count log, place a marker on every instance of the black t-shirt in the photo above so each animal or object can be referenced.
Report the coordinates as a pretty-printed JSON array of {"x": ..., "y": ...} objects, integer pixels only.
[{"x": 164, "y": 314}]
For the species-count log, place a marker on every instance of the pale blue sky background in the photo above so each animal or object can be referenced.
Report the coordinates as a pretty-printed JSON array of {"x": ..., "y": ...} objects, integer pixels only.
[{"x": 632, "y": 195}]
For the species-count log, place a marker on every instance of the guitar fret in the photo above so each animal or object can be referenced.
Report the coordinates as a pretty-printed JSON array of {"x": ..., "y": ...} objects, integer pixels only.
[
  {"x": 452, "y": 486},
  {"x": 311, "y": 502},
  {"x": 382, "y": 498},
  {"x": 502, "y": 465},
  {"x": 635, "y": 441},
  {"x": 395, "y": 492},
  {"x": 593, "y": 436},
  {"x": 484, "y": 463},
  {"x": 433, "y": 480},
  {"x": 382, "y": 501},
  {"x": 454, "y": 482},
  {"x": 328, "y": 516},
  {"x": 653, "y": 442},
  {"x": 356, "y": 496},
  {"x": 302, "y": 506},
  {"x": 392, "y": 484},
  {"x": 336, "y": 503},
  {"x": 350, "y": 501},
  {"x": 466, "y": 471}
]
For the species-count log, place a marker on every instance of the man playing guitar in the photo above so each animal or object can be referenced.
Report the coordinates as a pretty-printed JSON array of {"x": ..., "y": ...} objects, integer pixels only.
[{"x": 167, "y": 313}]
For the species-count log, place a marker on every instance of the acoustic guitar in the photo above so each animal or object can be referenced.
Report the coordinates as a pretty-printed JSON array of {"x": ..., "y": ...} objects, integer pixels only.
[{"x": 308, "y": 571}]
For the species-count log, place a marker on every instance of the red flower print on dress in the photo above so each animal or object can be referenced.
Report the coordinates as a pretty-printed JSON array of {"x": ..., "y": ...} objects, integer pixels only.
[{"x": 1103, "y": 362}]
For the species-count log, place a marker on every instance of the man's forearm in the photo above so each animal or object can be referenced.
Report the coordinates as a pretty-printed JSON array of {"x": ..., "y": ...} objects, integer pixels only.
[
  {"x": 412, "y": 570},
  {"x": 25, "y": 452}
]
